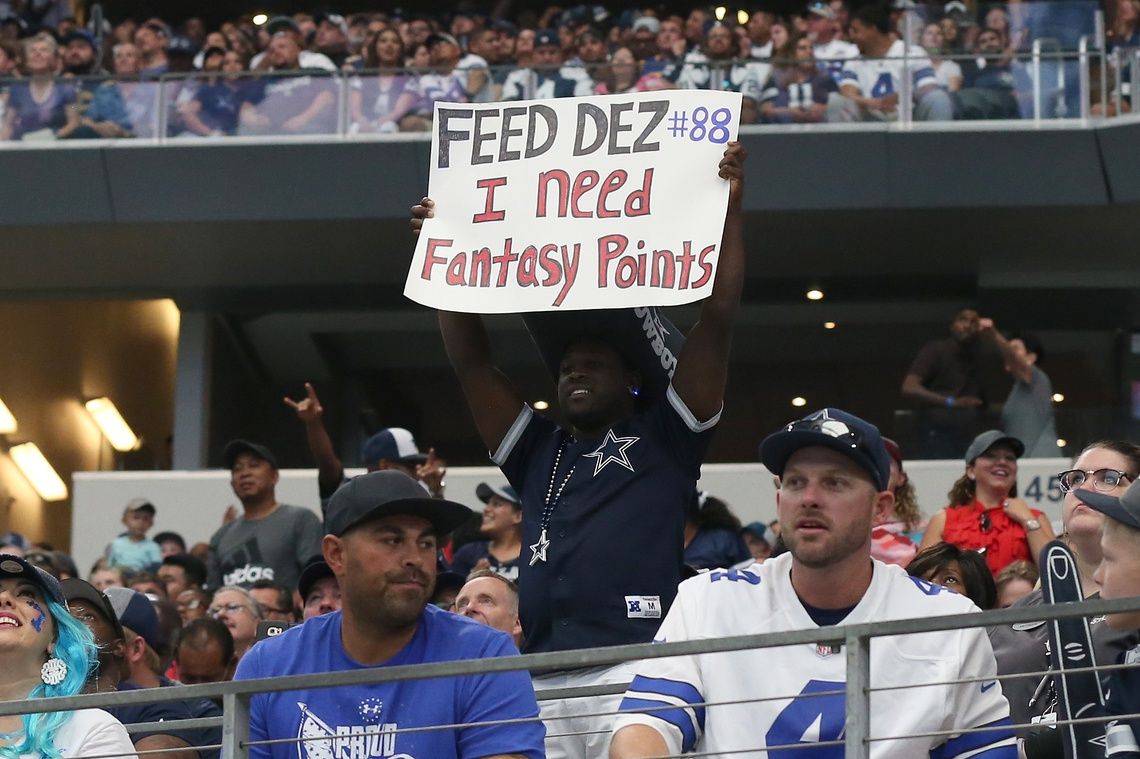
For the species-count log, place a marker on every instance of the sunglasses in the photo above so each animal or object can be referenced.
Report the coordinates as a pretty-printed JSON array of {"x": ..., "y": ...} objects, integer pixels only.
[{"x": 830, "y": 427}]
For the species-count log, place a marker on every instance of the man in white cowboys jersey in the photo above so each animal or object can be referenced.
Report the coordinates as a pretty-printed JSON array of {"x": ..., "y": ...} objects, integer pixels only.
[
  {"x": 831, "y": 52},
  {"x": 869, "y": 86},
  {"x": 833, "y": 471}
]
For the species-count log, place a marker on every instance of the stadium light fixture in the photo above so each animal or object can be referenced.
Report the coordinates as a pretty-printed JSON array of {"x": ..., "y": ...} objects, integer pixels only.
[
  {"x": 799, "y": 401},
  {"x": 830, "y": 325},
  {"x": 7, "y": 421},
  {"x": 112, "y": 424},
  {"x": 742, "y": 17},
  {"x": 814, "y": 294},
  {"x": 39, "y": 472},
  {"x": 259, "y": 19},
  {"x": 540, "y": 405},
  {"x": 720, "y": 11},
  {"x": 1058, "y": 397},
  {"x": 1062, "y": 442}
]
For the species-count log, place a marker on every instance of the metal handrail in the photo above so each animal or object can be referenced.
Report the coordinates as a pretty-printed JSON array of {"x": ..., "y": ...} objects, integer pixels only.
[
  {"x": 1038, "y": 46},
  {"x": 1083, "y": 63},
  {"x": 856, "y": 638}
]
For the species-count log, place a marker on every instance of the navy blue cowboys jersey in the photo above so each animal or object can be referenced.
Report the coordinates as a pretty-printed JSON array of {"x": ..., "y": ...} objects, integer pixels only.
[{"x": 616, "y": 533}]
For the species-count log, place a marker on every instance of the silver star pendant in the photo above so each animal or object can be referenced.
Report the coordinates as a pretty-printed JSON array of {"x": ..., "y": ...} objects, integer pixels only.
[{"x": 538, "y": 550}]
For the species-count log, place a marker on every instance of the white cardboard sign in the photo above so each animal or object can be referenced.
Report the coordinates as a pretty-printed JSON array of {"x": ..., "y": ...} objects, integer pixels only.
[{"x": 575, "y": 203}]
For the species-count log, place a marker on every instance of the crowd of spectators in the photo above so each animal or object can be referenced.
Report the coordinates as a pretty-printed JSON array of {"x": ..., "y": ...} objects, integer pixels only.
[
  {"x": 62, "y": 80},
  {"x": 164, "y": 612}
]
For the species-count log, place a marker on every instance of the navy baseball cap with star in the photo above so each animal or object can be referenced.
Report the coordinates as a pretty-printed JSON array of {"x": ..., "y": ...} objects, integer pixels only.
[
  {"x": 832, "y": 428},
  {"x": 1124, "y": 509}
]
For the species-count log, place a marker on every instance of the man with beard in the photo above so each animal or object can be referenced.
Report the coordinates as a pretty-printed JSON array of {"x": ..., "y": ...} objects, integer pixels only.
[
  {"x": 604, "y": 498},
  {"x": 381, "y": 545},
  {"x": 833, "y": 472}
]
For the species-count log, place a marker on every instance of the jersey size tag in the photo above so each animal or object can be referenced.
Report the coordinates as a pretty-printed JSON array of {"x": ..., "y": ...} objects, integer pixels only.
[{"x": 643, "y": 607}]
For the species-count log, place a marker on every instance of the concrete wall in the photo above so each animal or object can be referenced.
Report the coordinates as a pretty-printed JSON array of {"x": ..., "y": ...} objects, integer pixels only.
[{"x": 193, "y": 503}]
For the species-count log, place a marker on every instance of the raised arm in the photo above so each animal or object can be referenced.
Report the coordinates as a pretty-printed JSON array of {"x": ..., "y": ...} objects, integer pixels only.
[
  {"x": 702, "y": 367},
  {"x": 1019, "y": 366},
  {"x": 493, "y": 400},
  {"x": 330, "y": 470}
]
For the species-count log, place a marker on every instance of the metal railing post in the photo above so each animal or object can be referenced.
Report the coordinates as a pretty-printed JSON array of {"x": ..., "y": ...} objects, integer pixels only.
[
  {"x": 1036, "y": 68},
  {"x": 235, "y": 726},
  {"x": 341, "y": 103},
  {"x": 906, "y": 89},
  {"x": 1098, "y": 26},
  {"x": 160, "y": 114},
  {"x": 1133, "y": 73},
  {"x": 858, "y": 720},
  {"x": 1083, "y": 65},
  {"x": 1118, "y": 70}
]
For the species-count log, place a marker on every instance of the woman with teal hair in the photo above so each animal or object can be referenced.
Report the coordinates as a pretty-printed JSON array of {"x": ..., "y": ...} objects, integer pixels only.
[{"x": 45, "y": 652}]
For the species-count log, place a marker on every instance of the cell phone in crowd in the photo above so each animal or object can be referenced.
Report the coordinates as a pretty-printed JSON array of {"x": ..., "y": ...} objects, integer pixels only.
[{"x": 271, "y": 628}]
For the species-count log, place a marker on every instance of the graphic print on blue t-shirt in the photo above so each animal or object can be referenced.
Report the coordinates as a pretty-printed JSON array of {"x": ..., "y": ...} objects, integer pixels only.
[{"x": 379, "y": 721}]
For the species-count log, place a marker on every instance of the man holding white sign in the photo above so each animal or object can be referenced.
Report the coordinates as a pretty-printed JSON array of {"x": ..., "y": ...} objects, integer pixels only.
[
  {"x": 575, "y": 203},
  {"x": 604, "y": 499}
]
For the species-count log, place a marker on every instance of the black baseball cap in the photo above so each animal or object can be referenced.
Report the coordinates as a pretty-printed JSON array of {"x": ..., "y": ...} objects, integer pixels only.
[
  {"x": 235, "y": 448},
  {"x": 1124, "y": 509},
  {"x": 316, "y": 569},
  {"x": 386, "y": 493},
  {"x": 16, "y": 566},
  {"x": 75, "y": 589},
  {"x": 832, "y": 428}
]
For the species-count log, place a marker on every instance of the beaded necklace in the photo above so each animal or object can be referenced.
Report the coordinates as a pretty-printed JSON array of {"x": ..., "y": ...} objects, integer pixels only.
[{"x": 538, "y": 550}]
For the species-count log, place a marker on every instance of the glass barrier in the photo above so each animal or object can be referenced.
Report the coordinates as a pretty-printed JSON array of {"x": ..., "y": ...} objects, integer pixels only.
[{"x": 1046, "y": 81}]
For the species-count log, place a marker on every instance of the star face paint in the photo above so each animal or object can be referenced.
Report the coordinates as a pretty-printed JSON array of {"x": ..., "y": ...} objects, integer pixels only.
[{"x": 38, "y": 620}]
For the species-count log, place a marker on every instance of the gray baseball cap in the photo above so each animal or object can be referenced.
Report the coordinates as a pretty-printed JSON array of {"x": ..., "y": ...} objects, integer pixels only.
[
  {"x": 386, "y": 493},
  {"x": 988, "y": 440},
  {"x": 1124, "y": 509}
]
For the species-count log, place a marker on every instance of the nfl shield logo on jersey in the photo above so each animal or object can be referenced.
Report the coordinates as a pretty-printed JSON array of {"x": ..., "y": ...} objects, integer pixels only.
[{"x": 824, "y": 650}]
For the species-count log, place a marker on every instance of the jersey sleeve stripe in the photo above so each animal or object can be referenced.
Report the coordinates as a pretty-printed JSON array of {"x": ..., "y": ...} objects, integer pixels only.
[
  {"x": 687, "y": 416},
  {"x": 1120, "y": 741},
  {"x": 847, "y": 75},
  {"x": 677, "y": 689},
  {"x": 979, "y": 744},
  {"x": 923, "y": 73},
  {"x": 677, "y": 717},
  {"x": 513, "y": 434}
]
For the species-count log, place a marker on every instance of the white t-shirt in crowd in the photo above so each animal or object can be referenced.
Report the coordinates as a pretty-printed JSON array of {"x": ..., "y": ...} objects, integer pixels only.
[{"x": 91, "y": 732}]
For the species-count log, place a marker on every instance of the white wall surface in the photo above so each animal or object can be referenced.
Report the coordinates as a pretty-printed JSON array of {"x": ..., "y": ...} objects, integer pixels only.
[{"x": 192, "y": 503}]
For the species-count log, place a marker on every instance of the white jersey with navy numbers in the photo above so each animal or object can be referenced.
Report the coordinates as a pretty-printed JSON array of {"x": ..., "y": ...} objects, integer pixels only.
[
  {"x": 833, "y": 56},
  {"x": 760, "y": 599},
  {"x": 876, "y": 77}
]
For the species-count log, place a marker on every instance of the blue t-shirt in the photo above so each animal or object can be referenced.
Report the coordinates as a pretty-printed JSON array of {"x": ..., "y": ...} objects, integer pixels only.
[
  {"x": 717, "y": 547},
  {"x": 143, "y": 555},
  {"x": 617, "y": 531},
  {"x": 376, "y": 712},
  {"x": 169, "y": 711}
]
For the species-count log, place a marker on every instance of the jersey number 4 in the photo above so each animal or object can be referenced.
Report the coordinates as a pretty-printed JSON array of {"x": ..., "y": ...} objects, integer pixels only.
[
  {"x": 883, "y": 85},
  {"x": 808, "y": 719}
]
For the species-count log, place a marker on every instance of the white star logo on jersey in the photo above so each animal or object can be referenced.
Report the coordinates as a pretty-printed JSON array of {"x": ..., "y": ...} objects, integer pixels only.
[{"x": 612, "y": 451}]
